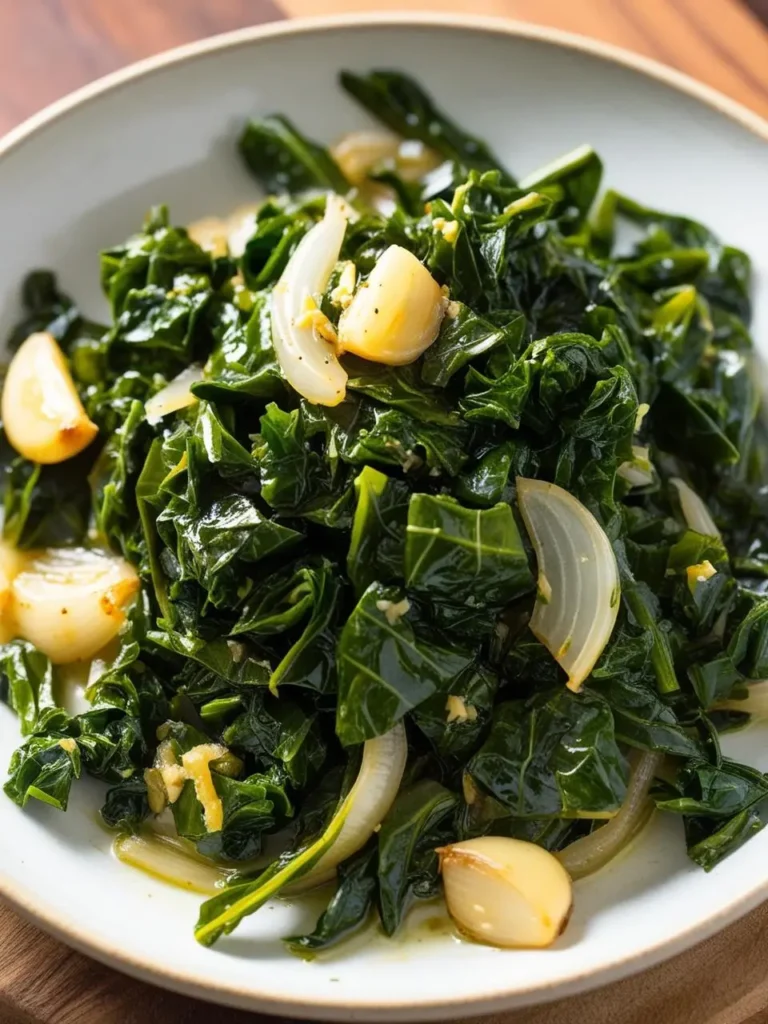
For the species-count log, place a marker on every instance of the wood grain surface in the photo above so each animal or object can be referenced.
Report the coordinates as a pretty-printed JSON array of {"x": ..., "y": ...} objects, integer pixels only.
[{"x": 49, "y": 47}]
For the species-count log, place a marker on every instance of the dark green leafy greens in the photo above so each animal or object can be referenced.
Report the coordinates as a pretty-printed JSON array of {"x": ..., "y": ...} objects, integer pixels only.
[{"x": 313, "y": 576}]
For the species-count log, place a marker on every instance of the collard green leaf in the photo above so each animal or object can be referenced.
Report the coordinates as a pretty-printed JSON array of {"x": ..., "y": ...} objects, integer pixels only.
[
  {"x": 26, "y": 682},
  {"x": 418, "y": 822},
  {"x": 557, "y": 757},
  {"x": 465, "y": 336},
  {"x": 283, "y": 160},
  {"x": 384, "y": 669},
  {"x": 403, "y": 106},
  {"x": 454, "y": 719},
  {"x": 377, "y": 541},
  {"x": 349, "y": 908},
  {"x": 278, "y": 732},
  {"x": 467, "y": 563}
]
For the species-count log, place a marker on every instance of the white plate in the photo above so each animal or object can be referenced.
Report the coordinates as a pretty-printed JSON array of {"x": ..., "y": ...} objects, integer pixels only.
[{"x": 79, "y": 177}]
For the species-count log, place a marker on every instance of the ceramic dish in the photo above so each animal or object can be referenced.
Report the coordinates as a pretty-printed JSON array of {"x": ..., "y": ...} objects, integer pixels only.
[{"x": 78, "y": 177}]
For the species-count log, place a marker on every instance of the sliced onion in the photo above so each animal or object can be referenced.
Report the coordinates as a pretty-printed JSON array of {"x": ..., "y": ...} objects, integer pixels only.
[
  {"x": 352, "y": 825},
  {"x": 173, "y": 396},
  {"x": 586, "y": 855},
  {"x": 578, "y": 572},
  {"x": 638, "y": 472},
  {"x": 171, "y": 859},
  {"x": 308, "y": 361},
  {"x": 755, "y": 703},
  {"x": 696, "y": 514},
  {"x": 366, "y": 804}
]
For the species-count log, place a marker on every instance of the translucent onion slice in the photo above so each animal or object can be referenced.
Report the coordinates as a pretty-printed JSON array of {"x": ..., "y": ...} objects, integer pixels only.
[
  {"x": 174, "y": 396},
  {"x": 579, "y": 586},
  {"x": 592, "y": 852},
  {"x": 70, "y": 602},
  {"x": 505, "y": 892},
  {"x": 43, "y": 416},
  {"x": 171, "y": 859},
  {"x": 755, "y": 703},
  {"x": 366, "y": 804},
  {"x": 695, "y": 512},
  {"x": 308, "y": 361},
  {"x": 355, "y": 820}
]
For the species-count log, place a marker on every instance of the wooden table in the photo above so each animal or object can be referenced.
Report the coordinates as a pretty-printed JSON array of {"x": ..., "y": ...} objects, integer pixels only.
[{"x": 47, "y": 48}]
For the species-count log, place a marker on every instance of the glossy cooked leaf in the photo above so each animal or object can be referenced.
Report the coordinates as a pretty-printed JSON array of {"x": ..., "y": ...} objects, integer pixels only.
[
  {"x": 557, "y": 756},
  {"x": 349, "y": 908},
  {"x": 377, "y": 540},
  {"x": 466, "y": 563},
  {"x": 419, "y": 821},
  {"x": 465, "y": 336},
  {"x": 384, "y": 669},
  {"x": 278, "y": 732},
  {"x": 26, "y": 682},
  {"x": 283, "y": 160},
  {"x": 403, "y": 106},
  {"x": 455, "y": 718}
]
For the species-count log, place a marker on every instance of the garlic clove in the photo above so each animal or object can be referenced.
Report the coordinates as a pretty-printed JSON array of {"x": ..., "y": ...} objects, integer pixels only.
[
  {"x": 396, "y": 314},
  {"x": 42, "y": 412},
  {"x": 506, "y": 892},
  {"x": 70, "y": 602}
]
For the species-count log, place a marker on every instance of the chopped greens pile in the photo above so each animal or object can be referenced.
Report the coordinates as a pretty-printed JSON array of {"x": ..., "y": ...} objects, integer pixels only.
[{"x": 314, "y": 575}]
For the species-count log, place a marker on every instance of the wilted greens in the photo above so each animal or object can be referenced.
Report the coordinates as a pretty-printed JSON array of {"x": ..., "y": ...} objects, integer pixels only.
[{"x": 314, "y": 575}]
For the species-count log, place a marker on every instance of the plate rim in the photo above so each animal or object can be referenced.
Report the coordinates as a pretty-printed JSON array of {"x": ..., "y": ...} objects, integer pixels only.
[{"x": 37, "y": 910}]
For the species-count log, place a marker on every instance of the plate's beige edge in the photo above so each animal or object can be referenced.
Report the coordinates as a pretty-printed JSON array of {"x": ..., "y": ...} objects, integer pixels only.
[{"x": 36, "y": 910}]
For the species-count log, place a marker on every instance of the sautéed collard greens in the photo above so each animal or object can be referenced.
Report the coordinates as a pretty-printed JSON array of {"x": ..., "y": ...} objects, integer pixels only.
[{"x": 406, "y": 520}]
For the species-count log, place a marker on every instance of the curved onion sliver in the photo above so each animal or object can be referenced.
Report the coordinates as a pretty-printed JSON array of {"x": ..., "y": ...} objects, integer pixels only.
[
  {"x": 578, "y": 577},
  {"x": 350, "y": 828},
  {"x": 695, "y": 512},
  {"x": 373, "y": 793},
  {"x": 307, "y": 360},
  {"x": 591, "y": 852},
  {"x": 174, "y": 396}
]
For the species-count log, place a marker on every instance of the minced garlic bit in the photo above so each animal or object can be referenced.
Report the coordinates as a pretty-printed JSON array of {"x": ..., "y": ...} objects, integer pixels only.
[
  {"x": 458, "y": 710},
  {"x": 344, "y": 291},
  {"x": 171, "y": 772},
  {"x": 545, "y": 589},
  {"x": 315, "y": 318},
  {"x": 237, "y": 650},
  {"x": 469, "y": 789},
  {"x": 411, "y": 460},
  {"x": 449, "y": 229},
  {"x": 196, "y": 764},
  {"x": 68, "y": 744},
  {"x": 642, "y": 412},
  {"x": 452, "y": 309},
  {"x": 700, "y": 573},
  {"x": 394, "y": 610}
]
